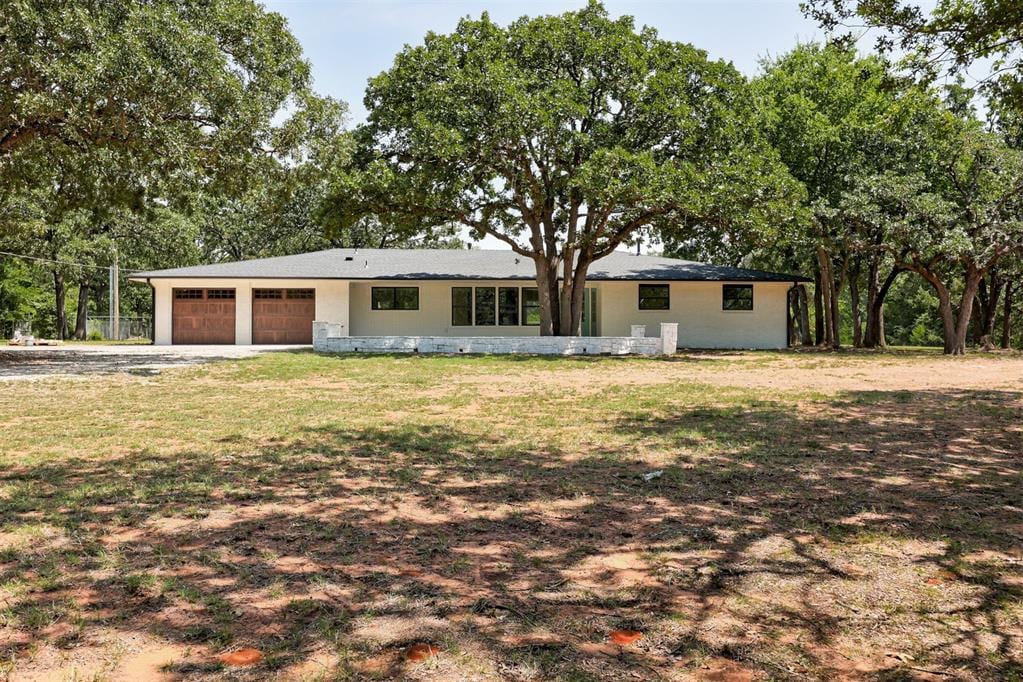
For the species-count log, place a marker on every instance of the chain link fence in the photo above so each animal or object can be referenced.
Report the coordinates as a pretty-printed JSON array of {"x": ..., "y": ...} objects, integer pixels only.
[{"x": 97, "y": 328}]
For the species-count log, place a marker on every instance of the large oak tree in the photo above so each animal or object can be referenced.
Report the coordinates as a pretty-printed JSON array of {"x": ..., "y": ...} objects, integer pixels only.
[
  {"x": 125, "y": 105},
  {"x": 562, "y": 136}
]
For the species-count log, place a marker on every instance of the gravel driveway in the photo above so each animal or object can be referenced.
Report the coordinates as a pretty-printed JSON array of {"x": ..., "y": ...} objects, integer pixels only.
[{"x": 20, "y": 363}]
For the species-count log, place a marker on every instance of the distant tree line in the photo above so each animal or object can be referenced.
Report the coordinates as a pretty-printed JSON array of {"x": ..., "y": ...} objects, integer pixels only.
[{"x": 164, "y": 133}]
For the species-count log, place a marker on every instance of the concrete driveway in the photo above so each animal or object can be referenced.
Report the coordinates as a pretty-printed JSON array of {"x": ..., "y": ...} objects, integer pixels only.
[{"x": 33, "y": 362}]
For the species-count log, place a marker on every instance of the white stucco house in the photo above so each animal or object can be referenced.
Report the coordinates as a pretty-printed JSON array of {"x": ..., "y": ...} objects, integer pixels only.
[{"x": 459, "y": 293}]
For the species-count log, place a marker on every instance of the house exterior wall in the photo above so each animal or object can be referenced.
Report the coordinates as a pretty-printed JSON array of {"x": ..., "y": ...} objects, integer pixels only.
[
  {"x": 434, "y": 315},
  {"x": 331, "y": 301},
  {"x": 696, "y": 307}
]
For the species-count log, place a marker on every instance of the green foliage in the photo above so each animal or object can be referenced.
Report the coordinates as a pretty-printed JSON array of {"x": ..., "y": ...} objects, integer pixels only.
[
  {"x": 562, "y": 136},
  {"x": 162, "y": 88},
  {"x": 954, "y": 35},
  {"x": 120, "y": 120}
]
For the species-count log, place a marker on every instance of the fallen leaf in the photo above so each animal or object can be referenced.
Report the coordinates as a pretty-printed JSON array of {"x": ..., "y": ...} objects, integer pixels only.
[
  {"x": 625, "y": 637},
  {"x": 421, "y": 652},
  {"x": 242, "y": 657}
]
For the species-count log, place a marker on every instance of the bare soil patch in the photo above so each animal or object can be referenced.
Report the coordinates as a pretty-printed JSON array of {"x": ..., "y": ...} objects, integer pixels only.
[{"x": 858, "y": 518}]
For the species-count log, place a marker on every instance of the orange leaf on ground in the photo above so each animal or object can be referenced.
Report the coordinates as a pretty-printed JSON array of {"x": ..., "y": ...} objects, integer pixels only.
[
  {"x": 625, "y": 637},
  {"x": 242, "y": 657},
  {"x": 421, "y": 652}
]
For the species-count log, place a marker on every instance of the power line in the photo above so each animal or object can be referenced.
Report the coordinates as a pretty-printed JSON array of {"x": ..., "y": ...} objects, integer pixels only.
[{"x": 58, "y": 262}]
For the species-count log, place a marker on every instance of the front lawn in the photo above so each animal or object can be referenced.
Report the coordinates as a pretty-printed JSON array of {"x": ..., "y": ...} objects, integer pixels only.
[{"x": 817, "y": 515}]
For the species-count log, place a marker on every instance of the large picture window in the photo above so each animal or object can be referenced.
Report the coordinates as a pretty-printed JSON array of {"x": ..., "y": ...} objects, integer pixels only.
[
  {"x": 395, "y": 298},
  {"x": 654, "y": 297},
  {"x": 531, "y": 307},
  {"x": 486, "y": 306},
  {"x": 461, "y": 306},
  {"x": 737, "y": 297},
  {"x": 508, "y": 306}
]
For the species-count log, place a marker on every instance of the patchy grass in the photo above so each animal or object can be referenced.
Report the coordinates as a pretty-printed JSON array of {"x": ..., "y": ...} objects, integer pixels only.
[{"x": 818, "y": 515}]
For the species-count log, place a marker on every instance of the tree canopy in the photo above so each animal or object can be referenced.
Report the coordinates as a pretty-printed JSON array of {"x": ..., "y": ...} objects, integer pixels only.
[
  {"x": 562, "y": 136},
  {"x": 144, "y": 107},
  {"x": 950, "y": 38}
]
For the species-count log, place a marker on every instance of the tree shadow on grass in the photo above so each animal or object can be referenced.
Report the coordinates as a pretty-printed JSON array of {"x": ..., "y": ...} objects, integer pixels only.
[{"x": 876, "y": 535}]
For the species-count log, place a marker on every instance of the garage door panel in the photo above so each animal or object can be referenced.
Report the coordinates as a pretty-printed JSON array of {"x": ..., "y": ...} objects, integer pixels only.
[
  {"x": 283, "y": 315},
  {"x": 203, "y": 316}
]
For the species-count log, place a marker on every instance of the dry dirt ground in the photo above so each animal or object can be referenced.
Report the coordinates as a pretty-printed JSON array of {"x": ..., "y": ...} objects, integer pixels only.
[
  {"x": 22, "y": 363},
  {"x": 817, "y": 516}
]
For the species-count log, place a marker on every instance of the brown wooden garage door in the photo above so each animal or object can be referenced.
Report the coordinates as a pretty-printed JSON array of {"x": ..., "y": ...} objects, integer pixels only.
[
  {"x": 283, "y": 315},
  {"x": 203, "y": 316}
]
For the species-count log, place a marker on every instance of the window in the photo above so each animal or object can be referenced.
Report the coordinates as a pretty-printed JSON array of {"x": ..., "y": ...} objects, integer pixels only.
[
  {"x": 187, "y": 293},
  {"x": 395, "y": 298},
  {"x": 486, "y": 309},
  {"x": 267, "y": 294},
  {"x": 301, "y": 293},
  {"x": 531, "y": 306},
  {"x": 220, "y": 293},
  {"x": 508, "y": 306},
  {"x": 461, "y": 306},
  {"x": 737, "y": 297},
  {"x": 654, "y": 297}
]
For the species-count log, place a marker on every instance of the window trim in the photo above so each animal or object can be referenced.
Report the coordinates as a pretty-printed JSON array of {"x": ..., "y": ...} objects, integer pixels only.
[
  {"x": 475, "y": 302},
  {"x": 394, "y": 299},
  {"x": 523, "y": 317},
  {"x": 667, "y": 299},
  {"x": 514, "y": 308},
  {"x": 752, "y": 298},
  {"x": 472, "y": 307}
]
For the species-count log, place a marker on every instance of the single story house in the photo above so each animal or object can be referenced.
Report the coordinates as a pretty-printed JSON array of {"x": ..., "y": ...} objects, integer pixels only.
[{"x": 448, "y": 292}]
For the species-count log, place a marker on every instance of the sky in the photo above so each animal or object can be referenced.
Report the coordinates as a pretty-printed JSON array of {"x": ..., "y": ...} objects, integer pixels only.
[{"x": 348, "y": 41}]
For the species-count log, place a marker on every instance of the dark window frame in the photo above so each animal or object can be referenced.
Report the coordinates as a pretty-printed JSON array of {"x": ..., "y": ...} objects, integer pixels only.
[
  {"x": 526, "y": 307},
  {"x": 644, "y": 301},
  {"x": 394, "y": 299},
  {"x": 512, "y": 308},
  {"x": 476, "y": 309},
  {"x": 469, "y": 308},
  {"x": 726, "y": 300},
  {"x": 268, "y": 294},
  {"x": 300, "y": 294}
]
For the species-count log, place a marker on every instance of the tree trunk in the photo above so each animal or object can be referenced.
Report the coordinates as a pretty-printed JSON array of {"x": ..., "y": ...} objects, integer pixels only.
[
  {"x": 836, "y": 298},
  {"x": 988, "y": 295},
  {"x": 973, "y": 279},
  {"x": 577, "y": 297},
  {"x": 58, "y": 295},
  {"x": 804, "y": 315},
  {"x": 828, "y": 290},
  {"x": 1007, "y": 316},
  {"x": 854, "y": 296},
  {"x": 791, "y": 316},
  {"x": 547, "y": 286},
  {"x": 948, "y": 320},
  {"x": 874, "y": 337},
  {"x": 882, "y": 341},
  {"x": 82, "y": 313},
  {"x": 818, "y": 309}
]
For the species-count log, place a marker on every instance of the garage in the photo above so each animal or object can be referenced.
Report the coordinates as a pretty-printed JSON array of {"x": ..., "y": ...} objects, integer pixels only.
[
  {"x": 203, "y": 316},
  {"x": 283, "y": 315}
]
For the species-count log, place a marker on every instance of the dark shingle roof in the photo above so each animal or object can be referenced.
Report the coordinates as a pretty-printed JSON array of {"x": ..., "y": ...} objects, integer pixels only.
[{"x": 458, "y": 264}]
